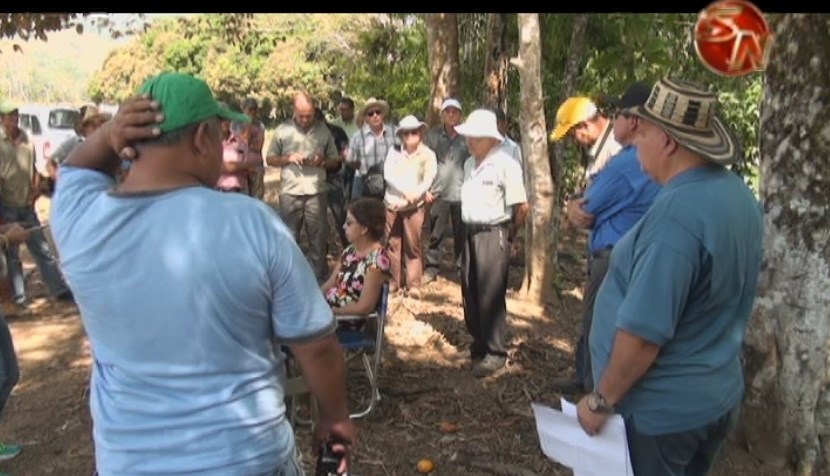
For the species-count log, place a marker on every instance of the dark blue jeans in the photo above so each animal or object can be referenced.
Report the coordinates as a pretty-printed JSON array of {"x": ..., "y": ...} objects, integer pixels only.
[
  {"x": 687, "y": 453},
  {"x": 39, "y": 249}
]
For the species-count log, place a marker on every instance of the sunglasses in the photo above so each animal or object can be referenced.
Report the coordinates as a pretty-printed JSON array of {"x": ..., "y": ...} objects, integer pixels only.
[
  {"x": 413, "y": 132},
  {"x": 373, "y": 113}
]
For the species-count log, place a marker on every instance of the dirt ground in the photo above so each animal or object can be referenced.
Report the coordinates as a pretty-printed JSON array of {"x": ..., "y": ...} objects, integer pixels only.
[{"x": 430, "y": 407}]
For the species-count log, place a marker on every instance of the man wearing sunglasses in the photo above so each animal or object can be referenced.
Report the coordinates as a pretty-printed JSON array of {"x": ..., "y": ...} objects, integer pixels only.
[
  {"x": 617, "y": 196},
  {"x": 368, "y": 150}
]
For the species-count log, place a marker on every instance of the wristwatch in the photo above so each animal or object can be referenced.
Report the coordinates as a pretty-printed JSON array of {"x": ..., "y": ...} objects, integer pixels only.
[{"x": 598, "y": 404}]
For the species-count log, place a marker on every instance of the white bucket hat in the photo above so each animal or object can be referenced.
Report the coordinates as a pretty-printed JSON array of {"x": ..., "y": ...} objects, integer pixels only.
[
  {"x": 410, "y": 123},
  {"x": 480, "y": 123}
]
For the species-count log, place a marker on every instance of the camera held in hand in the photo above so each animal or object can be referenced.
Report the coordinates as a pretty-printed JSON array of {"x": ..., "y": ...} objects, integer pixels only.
[{"x": 328, "y": 461}]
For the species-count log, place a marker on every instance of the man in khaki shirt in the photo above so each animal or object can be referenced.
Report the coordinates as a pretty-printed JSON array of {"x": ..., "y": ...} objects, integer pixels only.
[
  {"x": 18, "y": 192},
  {"x": 304, "y": 148}
]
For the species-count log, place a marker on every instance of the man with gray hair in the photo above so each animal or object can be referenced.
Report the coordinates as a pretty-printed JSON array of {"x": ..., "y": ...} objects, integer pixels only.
[
  {"x": 494, "y": 209},
  {"x": 671, "y": 315},
  {"x": 445, "y": 195}
]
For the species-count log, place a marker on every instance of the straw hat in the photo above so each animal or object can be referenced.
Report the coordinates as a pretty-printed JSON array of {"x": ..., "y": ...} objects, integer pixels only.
[
  {"x": 689, "y": 114},
  {"x": 375, "y": 103}
]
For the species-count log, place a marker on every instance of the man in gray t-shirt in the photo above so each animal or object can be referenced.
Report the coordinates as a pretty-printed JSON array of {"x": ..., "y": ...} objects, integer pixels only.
[{"x": 445, "y": 195}]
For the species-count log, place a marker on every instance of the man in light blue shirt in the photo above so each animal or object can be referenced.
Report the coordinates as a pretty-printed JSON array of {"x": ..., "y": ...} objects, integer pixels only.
[
  {"x": 671, "y": 314},
  {"x": 185, "y": 293}
]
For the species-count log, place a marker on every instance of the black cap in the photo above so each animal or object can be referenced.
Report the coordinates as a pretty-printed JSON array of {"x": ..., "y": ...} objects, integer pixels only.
[{"x": 636, "y": 95}]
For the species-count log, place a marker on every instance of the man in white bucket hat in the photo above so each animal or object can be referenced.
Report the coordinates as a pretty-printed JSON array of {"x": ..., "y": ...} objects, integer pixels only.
[
  {"x": 671, "y": 313},
  {"x": 493, "y": 209}
]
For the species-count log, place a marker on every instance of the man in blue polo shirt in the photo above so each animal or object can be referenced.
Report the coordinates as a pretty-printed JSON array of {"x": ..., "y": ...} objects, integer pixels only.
[
  {"x": 616, "y": 198},
  {"x": 671, "y": 315}
]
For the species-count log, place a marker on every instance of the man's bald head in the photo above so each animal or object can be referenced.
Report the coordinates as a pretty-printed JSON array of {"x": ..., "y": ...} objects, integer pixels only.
[{"x": 304, "y": 110}]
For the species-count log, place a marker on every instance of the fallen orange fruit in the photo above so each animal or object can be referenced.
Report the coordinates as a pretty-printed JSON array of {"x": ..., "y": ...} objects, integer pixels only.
[
  {"x": 426, "y": 466},
  {"x": 448, "y": 427}
]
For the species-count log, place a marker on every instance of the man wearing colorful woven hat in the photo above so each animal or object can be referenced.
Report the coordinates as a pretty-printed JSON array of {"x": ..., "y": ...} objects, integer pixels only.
[
  {"x": 671, "y": 315},
  {"x": 183, "y": 291}
]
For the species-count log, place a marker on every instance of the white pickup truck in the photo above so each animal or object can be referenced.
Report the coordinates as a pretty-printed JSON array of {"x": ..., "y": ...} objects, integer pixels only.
[{"x": 48, "y": 127}]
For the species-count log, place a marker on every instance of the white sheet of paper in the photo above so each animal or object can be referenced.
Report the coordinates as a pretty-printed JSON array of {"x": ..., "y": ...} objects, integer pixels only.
[{"x": 564, "y": 441}]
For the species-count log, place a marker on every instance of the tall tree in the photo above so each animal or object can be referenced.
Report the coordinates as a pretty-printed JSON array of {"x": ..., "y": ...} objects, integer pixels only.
[
  {"x": 445, "y": 72},
  {"x": 496, "y": 61},
  {"x": 539, "y": 268},
  {"x": 787, "y": 409}
]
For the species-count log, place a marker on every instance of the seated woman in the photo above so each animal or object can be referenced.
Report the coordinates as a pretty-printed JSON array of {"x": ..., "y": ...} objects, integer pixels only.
[{"x": 355, "y": 285}]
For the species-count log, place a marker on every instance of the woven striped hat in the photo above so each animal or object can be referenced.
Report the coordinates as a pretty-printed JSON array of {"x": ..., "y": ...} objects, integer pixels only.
[{"x": 689, "y": 114}]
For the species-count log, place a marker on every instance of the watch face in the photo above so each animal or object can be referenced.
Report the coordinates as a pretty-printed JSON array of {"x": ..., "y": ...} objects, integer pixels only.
[{"x": 592, "y": 402}]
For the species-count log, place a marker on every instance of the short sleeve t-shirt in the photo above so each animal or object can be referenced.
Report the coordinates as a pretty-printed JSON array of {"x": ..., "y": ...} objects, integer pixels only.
[{"x": 182, "y": 294}]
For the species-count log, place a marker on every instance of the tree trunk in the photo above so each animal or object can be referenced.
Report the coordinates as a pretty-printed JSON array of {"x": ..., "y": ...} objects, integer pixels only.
[
  {"x": 496, "y": 62},
  {"x": 572, "y": 68},
  {"x": 786, "y": 417},
  {"x": 444, "y": 66},
  {"x": 551, "y": 232},
  {"x": 539, "y": 268}
]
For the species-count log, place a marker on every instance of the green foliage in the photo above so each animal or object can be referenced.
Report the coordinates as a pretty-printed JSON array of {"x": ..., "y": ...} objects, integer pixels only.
[
  {"x": 273, "y": 56},
  {"x": 390, "y": 62}
]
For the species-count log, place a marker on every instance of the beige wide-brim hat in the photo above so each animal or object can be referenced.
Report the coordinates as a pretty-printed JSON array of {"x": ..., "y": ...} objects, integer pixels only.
[
  {"x": 410, "y": 123},
  {"x": 375, "y": 103},
  {"x": 689, "y": 114},
  {"x": 92, "y": 115},
  {"x": 479, "y": 124}
]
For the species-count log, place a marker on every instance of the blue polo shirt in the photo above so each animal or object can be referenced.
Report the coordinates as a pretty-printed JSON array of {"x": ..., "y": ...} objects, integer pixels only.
[
  {"x": 182, "y": 294},
  {"x": 618, "y": 197},
  {"x": 684, "y": 278}
]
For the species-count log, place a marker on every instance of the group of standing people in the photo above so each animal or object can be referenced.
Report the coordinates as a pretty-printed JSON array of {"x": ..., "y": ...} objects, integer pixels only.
[
  {"x": 674, "y": 253},
  {"x": 466, "y": 179},
  {"x": 674, "y": 256}
]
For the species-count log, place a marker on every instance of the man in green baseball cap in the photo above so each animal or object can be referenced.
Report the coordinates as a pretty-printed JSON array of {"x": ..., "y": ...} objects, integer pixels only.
[{"x": 183, "y": 291}]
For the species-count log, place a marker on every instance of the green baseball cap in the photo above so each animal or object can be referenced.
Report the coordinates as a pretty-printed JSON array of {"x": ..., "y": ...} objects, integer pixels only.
[
  {"x": 7, "y": 107},
  {"x": 185, "y": 99}
]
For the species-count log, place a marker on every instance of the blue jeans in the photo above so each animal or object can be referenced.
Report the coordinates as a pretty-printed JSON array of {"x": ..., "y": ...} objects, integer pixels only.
[
  {"x": 39, "y": 249},
  {"x": 687, "y": 453},
  {"x": 9, "y": 371}
]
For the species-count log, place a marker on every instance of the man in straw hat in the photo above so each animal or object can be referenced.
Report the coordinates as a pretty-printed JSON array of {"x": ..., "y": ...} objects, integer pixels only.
[
  {"x": 671, "y": 315},
  {"x": 368, "y": 150},
  {"x": 183, "y": 291},
  {"x": 89, "y": 120},
  {"x": 494, "y": 209}
]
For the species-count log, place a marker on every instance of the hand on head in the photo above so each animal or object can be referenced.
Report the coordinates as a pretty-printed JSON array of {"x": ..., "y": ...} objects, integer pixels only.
[{"x": 138, "y": 119}]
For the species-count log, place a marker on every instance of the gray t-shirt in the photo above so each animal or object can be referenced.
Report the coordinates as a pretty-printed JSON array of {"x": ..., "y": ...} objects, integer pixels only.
[
  {"x": 451, "y": 154},
  {"x": 62, "y": 152}
]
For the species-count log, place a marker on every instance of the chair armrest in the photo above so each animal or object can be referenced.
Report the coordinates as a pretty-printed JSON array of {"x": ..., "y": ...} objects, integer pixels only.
[{"x": 356, "y": 317}]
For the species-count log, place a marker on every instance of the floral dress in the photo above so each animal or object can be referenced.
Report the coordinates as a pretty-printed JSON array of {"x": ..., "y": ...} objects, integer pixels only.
[{"x": 353, "y": 268}]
